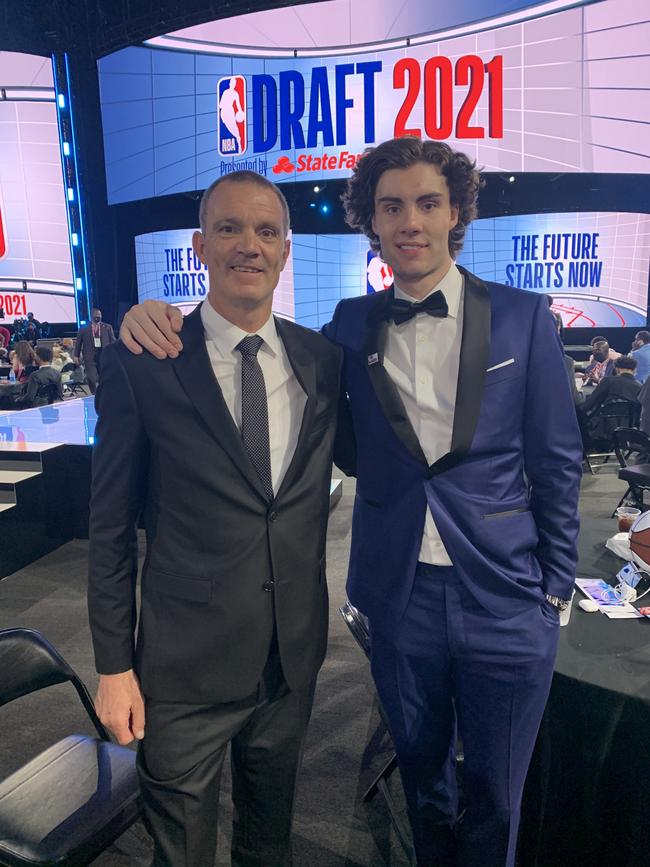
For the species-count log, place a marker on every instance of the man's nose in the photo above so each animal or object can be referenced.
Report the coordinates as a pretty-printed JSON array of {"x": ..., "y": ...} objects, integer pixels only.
[
  {"x": 248, "y": 243},
  {"x": 411, "y": 220}
]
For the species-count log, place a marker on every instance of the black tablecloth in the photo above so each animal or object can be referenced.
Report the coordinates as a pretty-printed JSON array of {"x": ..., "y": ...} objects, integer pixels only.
[{"x": 587, "y": 797}]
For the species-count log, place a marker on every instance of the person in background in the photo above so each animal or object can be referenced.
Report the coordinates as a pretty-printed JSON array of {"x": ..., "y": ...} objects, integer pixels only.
[
  {"x": 5, "y": 337},
  {"x": 60, "y": 357},
  {"x": 32, "y": 332},
  {"x": 44, "y": 384},
  {"x": 621, "y": 386},
  {"x": 641, "y": 352},
  {"x": 25, "y": 361},
  {"x": 601, "y": 364},
  {"x": 91, "y": 340},
  {"x": 569, "y": 363},
  {"x": 613, "y": 354},
  {"x": 644, "y": 400}
]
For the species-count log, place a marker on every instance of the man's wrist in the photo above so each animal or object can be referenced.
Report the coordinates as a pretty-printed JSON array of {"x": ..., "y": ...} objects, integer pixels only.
[{"x": 557, "y": 602}]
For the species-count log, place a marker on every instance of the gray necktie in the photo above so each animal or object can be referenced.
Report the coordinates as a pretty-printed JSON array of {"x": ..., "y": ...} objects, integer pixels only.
[{"x": 255, "y": 411}]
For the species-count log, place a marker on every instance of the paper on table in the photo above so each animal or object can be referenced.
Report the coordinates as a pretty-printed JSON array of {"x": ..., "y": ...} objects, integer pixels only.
[{"x": 604, "y": 596}]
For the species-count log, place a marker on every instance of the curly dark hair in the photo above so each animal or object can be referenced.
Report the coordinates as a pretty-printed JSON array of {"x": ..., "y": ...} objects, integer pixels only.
[{"x": 461, "y": 173}]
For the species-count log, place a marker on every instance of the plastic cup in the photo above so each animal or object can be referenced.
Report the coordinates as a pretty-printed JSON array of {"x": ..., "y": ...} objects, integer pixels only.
[{"x": 626, "y": 517}]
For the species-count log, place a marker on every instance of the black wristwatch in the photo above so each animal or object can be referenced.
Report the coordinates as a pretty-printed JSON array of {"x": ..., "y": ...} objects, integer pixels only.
[{"x": 556, "y": 602}]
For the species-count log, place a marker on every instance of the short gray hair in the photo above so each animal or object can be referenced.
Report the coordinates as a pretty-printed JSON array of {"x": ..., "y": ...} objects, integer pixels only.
[{"x": 244, "y": 177}]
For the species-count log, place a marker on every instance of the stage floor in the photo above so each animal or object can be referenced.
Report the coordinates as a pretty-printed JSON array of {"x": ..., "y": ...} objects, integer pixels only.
[{"x": 69, "y": 422}]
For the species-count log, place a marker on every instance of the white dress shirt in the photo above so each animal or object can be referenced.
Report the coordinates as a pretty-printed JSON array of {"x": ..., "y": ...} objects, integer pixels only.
[
  {"x": 285, "y": 396},
  {"x": 421, "y": 356}
]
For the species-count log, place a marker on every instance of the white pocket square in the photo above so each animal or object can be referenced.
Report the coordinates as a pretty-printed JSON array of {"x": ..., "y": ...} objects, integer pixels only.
[{"x": 502, "y": 364}]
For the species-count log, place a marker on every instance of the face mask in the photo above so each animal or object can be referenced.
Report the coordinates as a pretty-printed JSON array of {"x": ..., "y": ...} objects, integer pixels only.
[{"x": 97, "y": 318}]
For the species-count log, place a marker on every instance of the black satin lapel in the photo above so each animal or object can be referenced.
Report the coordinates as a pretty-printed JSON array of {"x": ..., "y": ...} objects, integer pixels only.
[
  {"x": 385, "y": 389},
  {"x": 303, "y": 363},
  {"x": 474, "y": 353},
  {"x": 194, "y": 371}
]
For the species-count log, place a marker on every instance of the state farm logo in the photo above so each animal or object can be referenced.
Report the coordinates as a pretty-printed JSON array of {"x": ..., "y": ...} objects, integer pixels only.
[{"x": 310, "y": 163}]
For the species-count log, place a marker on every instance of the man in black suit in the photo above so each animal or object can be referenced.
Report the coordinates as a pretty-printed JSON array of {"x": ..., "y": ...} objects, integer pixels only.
[
  {"x": 91, "y": 340},
  {"x": 226, "y": 449},
  {"x": 44, "y": 384},
  {"x": 621, "y": 386}
]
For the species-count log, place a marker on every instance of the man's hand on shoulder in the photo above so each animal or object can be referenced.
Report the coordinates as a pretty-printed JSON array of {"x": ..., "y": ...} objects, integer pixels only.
[
  {"x": 154, "y": 326},
  {"x": 120, "y": 706}
]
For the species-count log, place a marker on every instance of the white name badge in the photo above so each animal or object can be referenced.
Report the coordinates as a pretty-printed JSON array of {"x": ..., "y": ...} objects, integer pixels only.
[{"x": 98, "y": 342}]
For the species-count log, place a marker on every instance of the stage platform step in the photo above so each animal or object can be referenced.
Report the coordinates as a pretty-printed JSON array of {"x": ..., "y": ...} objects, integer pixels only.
[{"x": 35, "y": 517}]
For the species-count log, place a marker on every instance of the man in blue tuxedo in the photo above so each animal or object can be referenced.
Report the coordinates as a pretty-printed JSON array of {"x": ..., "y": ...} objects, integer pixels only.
[{"x": 468, "y": 465}]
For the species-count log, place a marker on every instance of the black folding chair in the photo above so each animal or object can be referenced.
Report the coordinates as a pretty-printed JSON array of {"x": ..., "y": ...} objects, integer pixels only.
[
  {"x": 599, "y": 426},
  {"x": 632, "y": 448},
  {"x": 358, "y": 626},
  {"x": 70, "y": 802}
]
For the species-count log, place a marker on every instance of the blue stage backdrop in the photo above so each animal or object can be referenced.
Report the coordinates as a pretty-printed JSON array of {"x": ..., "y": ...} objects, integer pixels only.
[{"x": 595, "y": 265}]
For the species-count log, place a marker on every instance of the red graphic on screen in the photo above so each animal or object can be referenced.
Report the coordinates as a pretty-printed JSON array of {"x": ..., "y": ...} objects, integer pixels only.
[
  {"x": 3, "y": 238},
  {"x": 284, "y": 164}
]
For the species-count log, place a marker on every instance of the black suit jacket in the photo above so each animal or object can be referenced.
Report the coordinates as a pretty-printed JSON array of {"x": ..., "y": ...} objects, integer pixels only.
[
  {"x": 84, "y": 346},
  {"x": 167, "y": 444},
  {"x": 43, "y": 386},
  {"x": 619, "y": 387}
]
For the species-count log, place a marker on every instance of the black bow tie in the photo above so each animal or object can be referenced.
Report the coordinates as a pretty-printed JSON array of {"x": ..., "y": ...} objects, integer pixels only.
[{"x": 401, "y": 311}]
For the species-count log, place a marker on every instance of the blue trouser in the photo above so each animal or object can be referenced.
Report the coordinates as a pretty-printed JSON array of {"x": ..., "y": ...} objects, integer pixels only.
[{"x": 449, "y": 664}]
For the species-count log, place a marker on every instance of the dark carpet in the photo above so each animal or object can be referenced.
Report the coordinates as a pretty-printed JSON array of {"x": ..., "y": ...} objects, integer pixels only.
[{"x": 345, "y": 746}]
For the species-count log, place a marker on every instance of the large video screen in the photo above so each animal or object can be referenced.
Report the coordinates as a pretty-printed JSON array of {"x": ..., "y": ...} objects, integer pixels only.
[
  {"x": 35, "y": 260},
  {"x": 521, "y": 87},
  {"x": 594, "y": 265},
  {"x": 320, "y": 271}
]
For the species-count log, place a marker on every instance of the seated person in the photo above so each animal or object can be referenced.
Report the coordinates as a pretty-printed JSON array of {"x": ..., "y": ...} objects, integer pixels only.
[
  {"x": 601, "y": 365},
  {"x": 613, "y": 354},
  {"x": 60, "y": 357},
  {"x": 24, "y": 361},
  {"x": 43, "y": 386},
  {"x": 621, "y": 386}
]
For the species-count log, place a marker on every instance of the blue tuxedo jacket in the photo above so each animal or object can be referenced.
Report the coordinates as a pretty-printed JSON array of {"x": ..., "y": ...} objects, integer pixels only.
[{"x": 505, "y": 498}]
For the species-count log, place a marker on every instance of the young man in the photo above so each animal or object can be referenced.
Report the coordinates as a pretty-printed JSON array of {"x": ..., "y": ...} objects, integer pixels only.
[
  {"x": 227, "y": 451},
  {"x": 465, "y": 522}
]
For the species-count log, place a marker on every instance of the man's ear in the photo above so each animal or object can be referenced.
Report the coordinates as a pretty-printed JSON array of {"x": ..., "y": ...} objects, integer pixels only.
[
  {"x": 198, "y": 245},
  {"x": 285, "y": 253}
]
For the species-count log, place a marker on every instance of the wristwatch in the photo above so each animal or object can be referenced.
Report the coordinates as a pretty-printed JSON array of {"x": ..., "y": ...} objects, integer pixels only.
[{"x": 556, "y": 602}]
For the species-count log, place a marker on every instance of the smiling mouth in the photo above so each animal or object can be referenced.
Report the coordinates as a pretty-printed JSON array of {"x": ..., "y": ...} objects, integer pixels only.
[
  {"x": 245, "y": 269},
  {"x": 411, "y": 246}
]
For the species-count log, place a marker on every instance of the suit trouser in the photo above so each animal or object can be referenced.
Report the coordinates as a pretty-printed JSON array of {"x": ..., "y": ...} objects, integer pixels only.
[
  {"x": 180, "y": 761},
  {"x": 92, "y": 375},
  {"x": 450, "y": 665}
]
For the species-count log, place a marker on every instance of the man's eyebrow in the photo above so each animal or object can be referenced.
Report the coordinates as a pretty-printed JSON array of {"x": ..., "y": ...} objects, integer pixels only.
[{"x": 397, "y": 200}]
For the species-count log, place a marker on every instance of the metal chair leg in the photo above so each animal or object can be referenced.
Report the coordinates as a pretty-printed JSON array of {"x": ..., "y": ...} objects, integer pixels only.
[{"x": 380, "y": 784}]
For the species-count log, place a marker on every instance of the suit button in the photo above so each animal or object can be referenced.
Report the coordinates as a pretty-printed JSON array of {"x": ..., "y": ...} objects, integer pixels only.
[
  {"x": 273, "y": 516},
  {"x": 267, "y": 587}
]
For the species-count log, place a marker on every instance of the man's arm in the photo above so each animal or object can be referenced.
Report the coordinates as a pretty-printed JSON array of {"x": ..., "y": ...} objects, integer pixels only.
[
  {"x": 345, "y": 444},
  {"x": 552, "y": 455},
  {"x": 120, "y": 466},
  {"x": 598, "y": 396},
  {"x": 111, "y": 334}
]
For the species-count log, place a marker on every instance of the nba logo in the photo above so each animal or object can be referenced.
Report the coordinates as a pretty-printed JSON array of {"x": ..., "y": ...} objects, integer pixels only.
[
  {"x": 231, "y": 115},
  {"x": 379, "y": 275}
]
